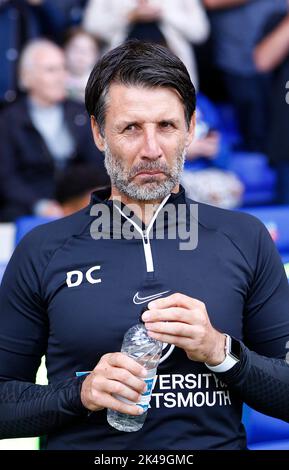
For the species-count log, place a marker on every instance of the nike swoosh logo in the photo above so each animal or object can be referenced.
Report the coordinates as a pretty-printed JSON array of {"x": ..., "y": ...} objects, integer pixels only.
[{"x": 142, "y": 300}]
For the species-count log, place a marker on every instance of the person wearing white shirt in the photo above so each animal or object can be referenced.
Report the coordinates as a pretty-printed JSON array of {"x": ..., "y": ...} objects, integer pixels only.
[{"x": 182, "y": 23}]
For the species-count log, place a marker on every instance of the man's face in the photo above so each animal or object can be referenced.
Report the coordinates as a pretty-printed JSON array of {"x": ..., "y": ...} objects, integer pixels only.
[
  {"x": 81, "y": 54},
  {"x": 145, "y": 138},
  {"x": 46, "y": 80}
]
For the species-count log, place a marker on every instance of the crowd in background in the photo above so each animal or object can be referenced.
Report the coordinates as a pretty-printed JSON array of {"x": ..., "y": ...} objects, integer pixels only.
[{"x": 236, "y": 51}]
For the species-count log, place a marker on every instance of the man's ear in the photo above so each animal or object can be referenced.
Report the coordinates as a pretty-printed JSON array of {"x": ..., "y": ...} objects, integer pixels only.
[
  {"x": 97, "y": 137},
  {"x": 191, "y": 130}
]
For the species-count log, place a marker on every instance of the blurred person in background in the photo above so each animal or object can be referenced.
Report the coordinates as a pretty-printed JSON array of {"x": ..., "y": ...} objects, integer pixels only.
[
  {"x": 81, "y": 53},
  {"x": 272, "y": 55},
  {"x": 180, "y": 23},
  {"x": 41, "y": 134},
  {"x": 74, "y": 187},
  {"x": 23, "y": 20},
  {"x": 17, "y": 25},
  {"x": 237, "y": 26},
  {"x": 206, "y": 177}
]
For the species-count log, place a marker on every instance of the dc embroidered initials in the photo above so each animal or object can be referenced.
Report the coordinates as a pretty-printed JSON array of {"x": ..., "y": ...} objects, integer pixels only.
[{"x": 75, "y": 278}]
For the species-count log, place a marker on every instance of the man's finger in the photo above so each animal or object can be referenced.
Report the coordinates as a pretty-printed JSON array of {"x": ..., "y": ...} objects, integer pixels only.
[
  {"x": 179, "y": 341},
  {"x": 175, "y": 300},
  {"x": 125, "y": 362},
  {"x": 120, "y": 389},
  {"x": 170, "y": 328},
  {"x": 176, "y": 314},
  {"x": 108, "y": 401},
  {"x": 125, "y": 377}
]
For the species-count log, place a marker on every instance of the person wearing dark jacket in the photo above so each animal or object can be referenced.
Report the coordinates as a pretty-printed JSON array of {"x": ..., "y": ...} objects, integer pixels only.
[
  {"x": 23, "y": 20},
  {"x": 41, "y": 134},
  {"x": 272, "y": 55}
]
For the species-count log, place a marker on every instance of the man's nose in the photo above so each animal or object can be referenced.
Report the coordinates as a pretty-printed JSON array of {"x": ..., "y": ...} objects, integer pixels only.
[{"x": 151, "y": 148}]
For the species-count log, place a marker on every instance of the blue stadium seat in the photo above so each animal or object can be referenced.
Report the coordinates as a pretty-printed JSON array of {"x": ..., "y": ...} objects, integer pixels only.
[
  {"x": 276, "y": 219},
  {"x": 26, "y": 223},
  {"x": 264, "y": 432},
  {"x": 229, "y": 123},
  {"x": 258, "y": 178}
]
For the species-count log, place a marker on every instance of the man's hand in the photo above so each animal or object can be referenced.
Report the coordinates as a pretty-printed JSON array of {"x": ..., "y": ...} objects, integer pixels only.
[
  {"x": 184, "y": 322},
  {"x": 115, "y": 374},
  {"x": 207, "y": 147}
]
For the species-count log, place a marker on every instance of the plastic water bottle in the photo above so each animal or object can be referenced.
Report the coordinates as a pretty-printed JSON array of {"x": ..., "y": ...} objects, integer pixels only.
[{"x": 147, "y": 352}]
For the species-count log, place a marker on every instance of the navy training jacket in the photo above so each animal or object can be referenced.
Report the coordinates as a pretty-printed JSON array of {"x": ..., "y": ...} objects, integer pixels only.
[{"x": 71, "y": 296}]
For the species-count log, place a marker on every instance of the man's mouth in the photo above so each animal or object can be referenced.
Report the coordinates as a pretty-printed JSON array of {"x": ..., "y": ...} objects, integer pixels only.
[{"x": 149, "y": 173}]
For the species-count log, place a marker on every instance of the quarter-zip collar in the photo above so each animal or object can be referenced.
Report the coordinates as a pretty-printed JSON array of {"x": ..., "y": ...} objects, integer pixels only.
[
  {"x": 119, "y": 211},
  {"x": 102, "y": 195},
  {"x": 145, "y": 234}
]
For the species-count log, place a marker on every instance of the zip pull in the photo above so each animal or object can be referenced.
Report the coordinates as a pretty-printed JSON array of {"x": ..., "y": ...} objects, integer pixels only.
[
  {"x": 148, "y": 252},
  {"x": 145, "y": 237},
  {"x": 144, "y": 234}
]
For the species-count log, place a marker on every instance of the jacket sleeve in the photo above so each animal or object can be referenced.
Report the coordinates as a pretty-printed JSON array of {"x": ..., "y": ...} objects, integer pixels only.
[
  {"x": 13, "y": 188},
  {"x": 261, "y": 378},
  {"x": 27, "y": 409},
  {"x": 261, "y": 382}
]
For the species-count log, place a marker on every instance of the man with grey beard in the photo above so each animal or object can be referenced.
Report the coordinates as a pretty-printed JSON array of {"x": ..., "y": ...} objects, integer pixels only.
[
  {"x": 218, "y": 308},
  {"x": 124, "y": 180}
]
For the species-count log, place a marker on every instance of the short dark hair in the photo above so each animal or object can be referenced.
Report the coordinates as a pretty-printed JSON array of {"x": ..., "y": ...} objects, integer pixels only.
[{"x": 136, "y": 63}]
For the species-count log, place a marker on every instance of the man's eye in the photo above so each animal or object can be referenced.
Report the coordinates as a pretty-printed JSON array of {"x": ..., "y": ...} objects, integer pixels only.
[
  {"x": 166, "y": 125},
  {"x": 131, "y": 127}
]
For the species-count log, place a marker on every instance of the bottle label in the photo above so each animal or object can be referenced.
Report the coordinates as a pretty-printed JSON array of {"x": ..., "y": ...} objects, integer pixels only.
[{"x": 146, "y": 396}]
